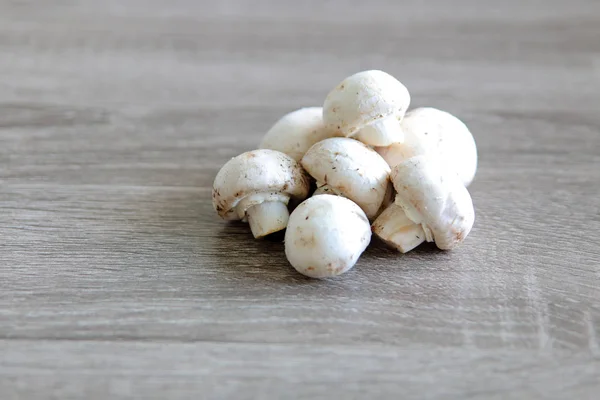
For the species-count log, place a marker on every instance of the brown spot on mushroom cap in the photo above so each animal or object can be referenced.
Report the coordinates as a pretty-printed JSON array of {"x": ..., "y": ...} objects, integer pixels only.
[
  {"x": 459, "y": 236},
  {"x": 306, "y": 241}
]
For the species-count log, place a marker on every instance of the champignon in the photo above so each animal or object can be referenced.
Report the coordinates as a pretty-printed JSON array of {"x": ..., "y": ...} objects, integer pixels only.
[
  {"x": 256, "y": 186},
  {"x": 326, "y": 235},
  {"x": 428, "y": 197},
  {"x": 367, "y": 106},
  {"x": 349, "y": 168}
]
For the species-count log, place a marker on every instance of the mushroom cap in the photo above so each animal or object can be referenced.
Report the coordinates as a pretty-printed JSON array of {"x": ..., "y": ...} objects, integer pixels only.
[
  {"x": 255, "y": 172},
  {"x": 435, "y": 133},
  {"x": 350, "y": 169},
  {"x": 295, "y": 132},
  {"x": 436, "y": 200},
  {"x": 326, "y": 235},
  {"x": 363, "y": 98}
]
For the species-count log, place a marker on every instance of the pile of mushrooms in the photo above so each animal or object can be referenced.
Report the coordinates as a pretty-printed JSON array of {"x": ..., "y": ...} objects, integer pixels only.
[{"x": 375, "y": 167}]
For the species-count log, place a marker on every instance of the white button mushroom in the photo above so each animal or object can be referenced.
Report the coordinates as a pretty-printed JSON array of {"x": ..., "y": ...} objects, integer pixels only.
[
  {"x": 256, "y": 186},
  {"x": 326, "y": 235},
  {"x": 367, "y": 106},
  {"x": 295, "y": 132},
  {"x": 348, "y": 168},
  {"x": 437, "y": 134},
  {"x": 430, "y": 205}
]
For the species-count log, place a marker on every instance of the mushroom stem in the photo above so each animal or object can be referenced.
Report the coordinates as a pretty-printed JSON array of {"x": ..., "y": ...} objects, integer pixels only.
[
  {"x": 382, "y": 132},
  {"x": 267, "y": 217},
  {"x": 397, "y": 230}
]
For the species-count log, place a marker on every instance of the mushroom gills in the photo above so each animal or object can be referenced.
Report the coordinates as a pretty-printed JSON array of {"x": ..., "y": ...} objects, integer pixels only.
[{"x": 382, "y": 132}]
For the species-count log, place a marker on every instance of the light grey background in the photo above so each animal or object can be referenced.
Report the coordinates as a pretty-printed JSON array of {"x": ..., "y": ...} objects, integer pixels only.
[{"x": 117, "y": 280}]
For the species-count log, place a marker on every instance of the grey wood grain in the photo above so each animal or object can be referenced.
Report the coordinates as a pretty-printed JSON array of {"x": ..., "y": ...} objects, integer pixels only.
[{"x": 117, "y": 280}]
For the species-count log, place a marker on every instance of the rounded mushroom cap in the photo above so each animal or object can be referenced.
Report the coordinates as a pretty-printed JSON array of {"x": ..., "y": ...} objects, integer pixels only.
[
  {"x": 326, "y": 235},
  {"x": 437, "y": 134},
  {"x": 350, "y": 169},
  {"x": 254, "y": 172},
  {"x": 295, "y": 132},
  {"x": 363, "y": 98},
  {"x": 436, "y": 200}
]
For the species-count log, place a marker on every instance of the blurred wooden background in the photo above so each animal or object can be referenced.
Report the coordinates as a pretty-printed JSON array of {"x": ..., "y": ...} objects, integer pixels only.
[{"x": 117, "y": 280}]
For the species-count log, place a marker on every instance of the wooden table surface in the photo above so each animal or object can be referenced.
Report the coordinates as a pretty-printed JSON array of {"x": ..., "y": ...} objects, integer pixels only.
[{"x": 117, "y": 279}]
